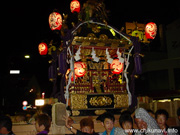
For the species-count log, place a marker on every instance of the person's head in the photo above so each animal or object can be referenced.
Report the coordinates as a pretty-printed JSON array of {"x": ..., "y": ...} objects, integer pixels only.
[
  {"x": 5, "y": 125},
  {"x": 125, "y": 120},
  {"x": 107, "y": 121},
  {"x": 178, "y": 113},
  {"x": 161, "y": 116},
  {"x": 43, "y": 122},
  {"x": 140, "y": 123},
  {"x": 151, "y": 113},
  {"x": 144, "y": 120},
  {"x": 87, "y": 125}
]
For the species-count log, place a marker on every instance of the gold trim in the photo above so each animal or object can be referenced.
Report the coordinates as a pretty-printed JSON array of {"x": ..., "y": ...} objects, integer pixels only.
[
  {"x": 99, "y": 112},
  {"x": 75, "y": 113}
]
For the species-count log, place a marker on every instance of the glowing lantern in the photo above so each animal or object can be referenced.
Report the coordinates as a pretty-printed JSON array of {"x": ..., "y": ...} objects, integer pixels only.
[
  {"x": 79, "y": 69},
  {"x": 116, "y": 66},
  {"x": 150, "y": 30},
  {"x": 75, "y": 6},
  {"x": 43, "y": 48},
  {"x": 55, "y": 21}
]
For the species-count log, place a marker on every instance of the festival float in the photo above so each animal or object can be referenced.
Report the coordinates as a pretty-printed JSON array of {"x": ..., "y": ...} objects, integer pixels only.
[{"x": 89, "y": 67}]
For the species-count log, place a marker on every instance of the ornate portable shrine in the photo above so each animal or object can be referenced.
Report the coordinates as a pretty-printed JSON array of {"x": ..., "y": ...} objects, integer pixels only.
[
  {"x": 88, "y": 68},
  {"x": 100, "y": 81}
]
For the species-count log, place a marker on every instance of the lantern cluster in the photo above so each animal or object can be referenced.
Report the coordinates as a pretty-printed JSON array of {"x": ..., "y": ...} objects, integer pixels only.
[
  {"x": 55, "y": 18},
  {"x": 150, "y": 30}
]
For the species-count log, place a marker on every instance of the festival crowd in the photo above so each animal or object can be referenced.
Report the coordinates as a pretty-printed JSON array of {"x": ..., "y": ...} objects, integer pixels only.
[{"x": 146, "y": 121}]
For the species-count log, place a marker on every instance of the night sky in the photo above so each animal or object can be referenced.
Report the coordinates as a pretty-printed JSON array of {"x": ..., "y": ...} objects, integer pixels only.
[{"x": 25, "y": 25}]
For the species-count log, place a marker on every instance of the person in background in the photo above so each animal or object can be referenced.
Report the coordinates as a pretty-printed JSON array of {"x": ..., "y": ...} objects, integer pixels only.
[
  {"x": 86, "y": 125},
  {"x": 107, "y": 121},
  {"x": 5, "y": 126},
  {"x": 126, "y": 122},
  {"x": 162, "y": 116},
  {"x": 46, "y": 109},
  {"x": 151, "y": 113},
  {"x": 145, "y": 123},
  {"x": 42, "y": 124},
  {"x": 177, "y": 127}
]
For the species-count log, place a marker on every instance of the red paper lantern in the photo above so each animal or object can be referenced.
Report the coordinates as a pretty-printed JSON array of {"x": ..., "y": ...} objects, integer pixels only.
[
  {"x": 75, "y": 6},
  {"x": 55, "y": 21},
  {"x": 116, "y": 66},
  {"x": 150, "y": 30},
  {"x": 79, "y": 69},
  {"x": 43, "y": 48}
]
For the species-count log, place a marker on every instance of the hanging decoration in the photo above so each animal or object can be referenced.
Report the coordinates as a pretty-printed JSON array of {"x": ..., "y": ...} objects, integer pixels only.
[
  {"x": 116, "y": 66},
  {"x": 79, "y": 69},
  {"x": 55, "y": 21},
  {"x": 108, "y": 57},
  {"x": 150, "y": 30},
  {"x": 75, "y": 6},
  {"x": 77, "y": 54},
  {"x": 96, "y": 59},
  {"x": 120, "y": 79},
  {"x": 121, "y": 60},
  {"x": 43, "y": 48}
]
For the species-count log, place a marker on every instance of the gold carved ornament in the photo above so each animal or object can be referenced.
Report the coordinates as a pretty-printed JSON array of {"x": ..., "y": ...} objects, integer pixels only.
[
  {"x": 100, "y": 101},
  {"x": 78, "y": 101},
  {"x": 120, "y": 100}
]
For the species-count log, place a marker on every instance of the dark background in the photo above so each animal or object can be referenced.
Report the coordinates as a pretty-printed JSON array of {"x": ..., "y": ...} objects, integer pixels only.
[{"x": 25, "y": 25}]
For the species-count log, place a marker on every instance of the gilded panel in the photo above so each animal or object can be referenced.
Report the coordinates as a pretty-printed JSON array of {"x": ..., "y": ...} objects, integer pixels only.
[
  {"x": 78, "y": 101},
  {"x": 120, "y": 100}
]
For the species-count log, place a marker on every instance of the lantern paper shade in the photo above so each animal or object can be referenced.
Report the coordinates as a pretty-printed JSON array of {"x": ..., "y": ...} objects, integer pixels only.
[
  {"x": 79, "y": 69},
  {"x": 116, "y": 66},
  {"x": 55, "y": 21},
  {"x": 43, "y": 48},
  {"x": 75, "y": 6},
  {"x": 150, "y": 30}
]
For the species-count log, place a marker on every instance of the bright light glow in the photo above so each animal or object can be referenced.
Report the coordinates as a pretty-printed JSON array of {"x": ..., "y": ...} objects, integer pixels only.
[
  {"x": 24, "y": 103},
  {"x": 24, "y": 107},
  {"x": 14, "y": 71},
  {"x": 39, "y": 102},
  {"x": 162, "y": 100},
  {"x": 43, "y": 94},
  {"x": 176, "y": 99},
  {"x": 31, "y": 90},
  {"x": 27, "y": 56}
]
